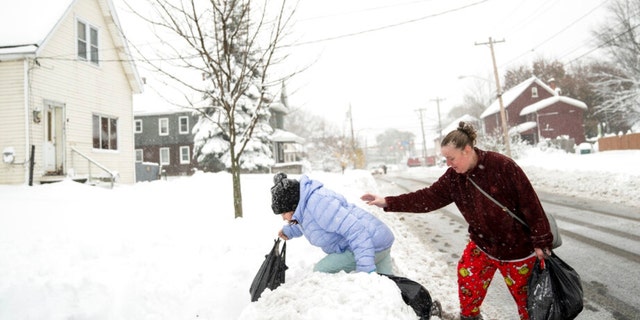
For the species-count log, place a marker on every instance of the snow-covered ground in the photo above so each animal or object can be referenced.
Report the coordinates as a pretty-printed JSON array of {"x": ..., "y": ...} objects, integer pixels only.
[{"x": 173, "y": 250}]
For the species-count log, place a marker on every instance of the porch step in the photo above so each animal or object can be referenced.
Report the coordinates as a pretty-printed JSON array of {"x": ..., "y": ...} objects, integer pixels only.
[{"x": 53, "y": 179}]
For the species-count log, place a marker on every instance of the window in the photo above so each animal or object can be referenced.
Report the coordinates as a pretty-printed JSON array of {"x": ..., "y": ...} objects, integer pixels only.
[
  {"x": 163, "y": 126},
  {"x": 184, "y": 155},
  {"x": 137, "y": 126},
  {"x": 105, "y": 133},
  {"x": 139, "y": 155},
  {"x": 534, "y": 92},
  {"x": 87, "y": 45},
  {"x": 184, "y": 125},
  {"x": 164, "y": 156}
]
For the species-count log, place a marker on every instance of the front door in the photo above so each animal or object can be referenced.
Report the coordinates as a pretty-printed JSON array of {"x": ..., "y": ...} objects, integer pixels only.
[{"x": 54, "y": 138}]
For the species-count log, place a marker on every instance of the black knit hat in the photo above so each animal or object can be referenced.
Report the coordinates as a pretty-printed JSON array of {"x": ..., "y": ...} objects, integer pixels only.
[{"x": 285, "y": 193}]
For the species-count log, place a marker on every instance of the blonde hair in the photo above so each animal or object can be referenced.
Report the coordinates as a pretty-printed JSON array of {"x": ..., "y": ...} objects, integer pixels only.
[{"x": 464, "y": 135}]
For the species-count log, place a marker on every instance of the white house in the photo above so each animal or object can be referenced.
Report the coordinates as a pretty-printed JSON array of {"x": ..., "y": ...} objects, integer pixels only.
[{"x": 66, "y": 86}]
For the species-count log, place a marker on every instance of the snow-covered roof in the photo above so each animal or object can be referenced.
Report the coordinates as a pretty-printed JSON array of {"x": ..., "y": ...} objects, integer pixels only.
[
  {"x": 550, "y": 101},
  {"x": 512, "y": 94},
  {"x": 160, "y": 98},
  {"x": 26, "y": 23},
  {"x": 523, "y": 127},
  {"x": 454, "y": 125},
  {"x": 279, "y": 107},
  {"x": 285, "y": 136}
]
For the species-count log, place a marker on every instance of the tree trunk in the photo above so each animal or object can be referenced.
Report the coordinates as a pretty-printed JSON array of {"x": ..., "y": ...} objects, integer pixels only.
[
  {"x": 235, "y": 176},
  {"x": 237, "y": 191}
]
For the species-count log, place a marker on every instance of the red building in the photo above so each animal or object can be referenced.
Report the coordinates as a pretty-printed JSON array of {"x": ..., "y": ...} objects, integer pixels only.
[{"x": 537, "y": 111}]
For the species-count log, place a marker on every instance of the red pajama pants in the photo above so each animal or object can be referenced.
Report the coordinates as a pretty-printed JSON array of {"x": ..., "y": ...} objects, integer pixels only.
[{"x": 475, "y": 272}]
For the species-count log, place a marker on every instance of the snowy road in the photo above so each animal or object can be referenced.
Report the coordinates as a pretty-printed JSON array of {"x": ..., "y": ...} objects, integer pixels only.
[{"x": 600, "y": 242}]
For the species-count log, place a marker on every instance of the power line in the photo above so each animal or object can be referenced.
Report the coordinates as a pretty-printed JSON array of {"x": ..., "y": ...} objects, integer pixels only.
[
  {"x": 395, "y": 5},
  {"x": 605, "y": 43},
  {"x": 574, "y": 22},
  {"x": 348, "y": 35}
]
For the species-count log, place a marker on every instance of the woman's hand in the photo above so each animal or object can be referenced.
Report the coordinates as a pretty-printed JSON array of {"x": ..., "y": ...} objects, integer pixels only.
[
  {"x": 372, "y": 199},
  {"x": 541, "y": 254},
  {"x": 282, "y": 235}
]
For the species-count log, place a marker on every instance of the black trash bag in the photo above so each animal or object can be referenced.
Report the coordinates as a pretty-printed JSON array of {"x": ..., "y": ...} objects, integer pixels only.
[
  {"x": 555, "y": 292},
  {"x": 271, "y": 272},
  {"x": 417, "y": 297}
]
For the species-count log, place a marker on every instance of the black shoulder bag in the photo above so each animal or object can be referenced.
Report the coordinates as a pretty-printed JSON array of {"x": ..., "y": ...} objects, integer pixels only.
[{"x": 557, "y": 240}]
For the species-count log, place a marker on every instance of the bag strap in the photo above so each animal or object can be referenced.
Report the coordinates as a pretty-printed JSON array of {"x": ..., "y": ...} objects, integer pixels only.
[
  {"x": 283, "y": 253},
  {"x": 504, "y": 208}
]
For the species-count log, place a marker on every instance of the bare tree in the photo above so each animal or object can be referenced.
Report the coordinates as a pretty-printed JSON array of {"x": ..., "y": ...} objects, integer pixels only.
[
  {"x": 219, "y": 52},
  {"x": 620, "y": 89},
  {"x": 542, "y": 68}
]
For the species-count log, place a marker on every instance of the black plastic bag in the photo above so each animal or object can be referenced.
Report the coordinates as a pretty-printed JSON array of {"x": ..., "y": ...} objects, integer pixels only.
[
  {"x": 555, "y": 292},
  {"x": 417, "y": 297},
  {"x": 271, "y": 272}
]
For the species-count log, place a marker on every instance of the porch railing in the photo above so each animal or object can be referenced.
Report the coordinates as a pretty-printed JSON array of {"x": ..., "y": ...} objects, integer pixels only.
[{"x": 112, "y": 175}]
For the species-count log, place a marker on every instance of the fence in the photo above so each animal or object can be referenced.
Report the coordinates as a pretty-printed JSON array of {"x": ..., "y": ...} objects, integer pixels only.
[{"x": 624, "y": 142}]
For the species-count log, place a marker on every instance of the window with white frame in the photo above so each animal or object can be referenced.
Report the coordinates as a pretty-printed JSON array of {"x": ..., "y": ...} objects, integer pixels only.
[
  {"x": 163, "y": 126},
  {"x": 139, "y": 155},
  {"x": 137, "y": 126},
  {"x": 534, "y": 92},
  {"x": 87, "y": 44},
  {"x": 184, "y": 124},
  {"x": 164, "y": 156},
  {"x": 105, "y": 132},
  {"x": 185, "y": 157}
]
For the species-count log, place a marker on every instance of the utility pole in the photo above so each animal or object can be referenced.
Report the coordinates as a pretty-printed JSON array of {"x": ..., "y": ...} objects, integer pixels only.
[
  {"x": 503, "y": 115},
  {"x": 424, "y": 141},
  {"x": 437, "y": 100},
  {"x": 353, "y": 139}
]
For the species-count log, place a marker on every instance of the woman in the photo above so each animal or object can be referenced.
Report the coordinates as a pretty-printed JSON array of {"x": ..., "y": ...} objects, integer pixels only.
[
  {"x": 353, "y": 238},
  {"x": 497, "y": 240}
]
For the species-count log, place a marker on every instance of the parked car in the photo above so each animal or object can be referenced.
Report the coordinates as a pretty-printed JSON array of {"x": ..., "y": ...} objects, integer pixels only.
[
  {"x": 414, "y": 162},
  {"x": 378, "y": 169}
]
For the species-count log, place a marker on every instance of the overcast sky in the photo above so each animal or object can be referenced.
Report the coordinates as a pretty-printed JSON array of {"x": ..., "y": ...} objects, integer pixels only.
[{"x": 388, "y": 59}]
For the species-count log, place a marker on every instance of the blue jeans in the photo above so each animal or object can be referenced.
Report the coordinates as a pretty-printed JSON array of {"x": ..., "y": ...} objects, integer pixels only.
[{"x": 346, "y": 261}]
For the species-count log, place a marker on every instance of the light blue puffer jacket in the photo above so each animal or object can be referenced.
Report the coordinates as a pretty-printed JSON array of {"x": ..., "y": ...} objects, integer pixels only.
[{"x": 328, "y": 221}]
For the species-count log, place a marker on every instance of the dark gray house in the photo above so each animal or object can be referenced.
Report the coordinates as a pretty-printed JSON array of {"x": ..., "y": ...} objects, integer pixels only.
[{"x": 165, "y": 138}]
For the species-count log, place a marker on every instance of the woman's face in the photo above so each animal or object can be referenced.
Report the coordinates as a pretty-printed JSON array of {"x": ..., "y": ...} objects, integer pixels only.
[
  {"x": 287, "y": 215},
  {"x": 460, "y": 160}
]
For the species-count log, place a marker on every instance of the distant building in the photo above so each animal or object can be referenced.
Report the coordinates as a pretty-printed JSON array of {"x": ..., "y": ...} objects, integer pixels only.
[
  {"x": 537, "y": 112},
  {"x": 165, "y": 138},
  {"x": 287, "y": 147}
]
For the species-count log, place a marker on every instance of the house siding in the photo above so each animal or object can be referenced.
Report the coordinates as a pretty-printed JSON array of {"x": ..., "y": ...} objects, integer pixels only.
[
  {"x": 86, "y": 89},
  {"x": 559, "y": 119},
  {"x": 512, "y": 111},
  {"x": 12, "y": 128},
  {"x": 150, "y": 142}
]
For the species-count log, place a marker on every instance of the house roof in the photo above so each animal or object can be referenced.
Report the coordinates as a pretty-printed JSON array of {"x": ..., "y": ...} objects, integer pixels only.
[
  {"x": 278, "y": 107},
  {"x": 512, "y": 94},
  {"x": 28, "y": 24},
  {"x": 285, "y": 136},
  {"x": 550, "y": 101},
  {"x": 522, "y": 127},
  {"x": 454, "y": 125},
  {"x": 25, "y": 24}
]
